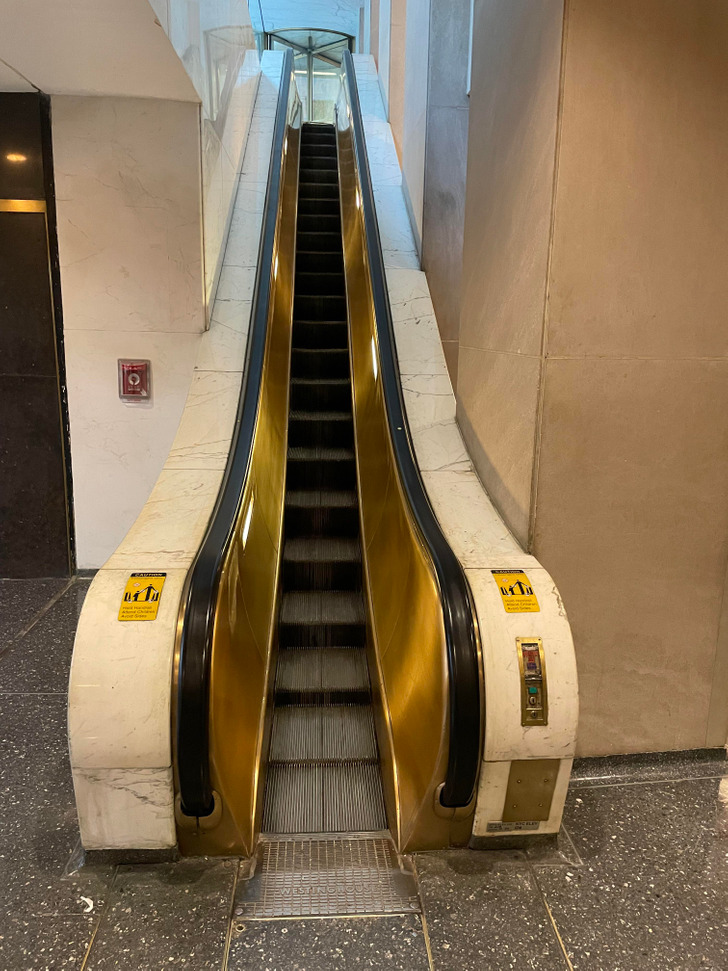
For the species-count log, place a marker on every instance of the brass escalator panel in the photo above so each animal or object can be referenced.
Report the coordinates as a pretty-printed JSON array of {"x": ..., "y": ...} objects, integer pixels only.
[{"x": 407, "y": 633}]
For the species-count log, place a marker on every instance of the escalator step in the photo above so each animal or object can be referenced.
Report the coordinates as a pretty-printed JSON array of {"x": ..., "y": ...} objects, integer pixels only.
[
  {"x": 324, "y": 393},
  {"x": 319, "y": 363},
  {"x": 319, "y": 307},
  {"x": 321, "y": 607},
  {"x": 322, "y": 563},
  {"x": 343, "y": 798},
  {"x": 320, "y": 283},
  {"x": 331, "y": 335},
  {"x": 322, "y": 618},
  {"x": 318, "y": 147},
  {"x": 341, "y": 669},
  {"x": 323, "y": 134},
  {"x": 320, "y": 261},
  {"x": 314, "y": 511},
  {"x": 320, "y": 429},
  {"x": 321, "y": 468},
  {"x": 322, "y": 207},
  {"x": 318, "y": 163},
  {"x": 322, "y": 176},
  {"x": 321, "y": 242},
  {"x": 325, "y": 734},
  {"x": 322, "y": 549},
  {"x": 317, "y": 190}
]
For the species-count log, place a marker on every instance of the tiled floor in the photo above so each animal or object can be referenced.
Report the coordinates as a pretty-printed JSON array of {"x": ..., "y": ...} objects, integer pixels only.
[{"x": 640, "y": 880}]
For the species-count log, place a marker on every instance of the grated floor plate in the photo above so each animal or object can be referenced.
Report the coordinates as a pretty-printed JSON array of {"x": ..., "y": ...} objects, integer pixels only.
[{"x": 325, "y": 877}]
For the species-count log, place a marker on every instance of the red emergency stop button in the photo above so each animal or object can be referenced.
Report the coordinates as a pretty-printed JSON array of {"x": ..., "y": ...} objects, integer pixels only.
[{"x": 134, "y": 380}]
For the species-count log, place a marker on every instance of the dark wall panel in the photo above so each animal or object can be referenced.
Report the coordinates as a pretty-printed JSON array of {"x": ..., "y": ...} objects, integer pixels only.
[{"x": 34, "y": 510}]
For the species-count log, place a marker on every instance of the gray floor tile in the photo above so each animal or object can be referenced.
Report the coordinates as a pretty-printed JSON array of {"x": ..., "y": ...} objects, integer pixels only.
[
  {"x": 36, "y": 793},
  {"x": 549, "y": 852},
  {"x": 39, "y": 825},
  {"x": 329, "y": 944},
  {"x": 20, "y": 601},
  {"x": 650, "y": 767},
  {"x": 166, "y": 916},
  {"x": 41, "y": 660},
  {"x": 652, "y": 892},
  {"x": 45, "y": 944},
  {"x": 485, "y": 914}
]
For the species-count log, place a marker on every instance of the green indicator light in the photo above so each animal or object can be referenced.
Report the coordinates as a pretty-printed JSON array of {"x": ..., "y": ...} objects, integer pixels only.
[{"x": 533, "y": 691}]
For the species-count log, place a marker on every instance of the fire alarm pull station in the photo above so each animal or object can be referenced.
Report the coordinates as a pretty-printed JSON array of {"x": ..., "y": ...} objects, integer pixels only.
[
  {"x": 134, "y": 380},
  {"x": 532, "y": 667}
]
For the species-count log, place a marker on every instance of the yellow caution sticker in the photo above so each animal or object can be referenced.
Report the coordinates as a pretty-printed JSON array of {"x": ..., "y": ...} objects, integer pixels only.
[
  {"x": 141, "y": 596},
  {"x": 516, "y": 591}
]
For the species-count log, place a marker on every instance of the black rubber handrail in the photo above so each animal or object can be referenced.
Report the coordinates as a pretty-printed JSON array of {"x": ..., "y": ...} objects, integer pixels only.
[
  {"x": 195, "y": 647},
  {"x": 457, "y": 607}
]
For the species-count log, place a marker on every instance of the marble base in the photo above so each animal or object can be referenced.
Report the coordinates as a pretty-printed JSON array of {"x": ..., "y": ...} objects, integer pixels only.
[{"x": 121, "y": 675}]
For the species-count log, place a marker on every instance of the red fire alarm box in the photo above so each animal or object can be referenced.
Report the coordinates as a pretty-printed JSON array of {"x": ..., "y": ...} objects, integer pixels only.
[{"x": 134, "y": 380}]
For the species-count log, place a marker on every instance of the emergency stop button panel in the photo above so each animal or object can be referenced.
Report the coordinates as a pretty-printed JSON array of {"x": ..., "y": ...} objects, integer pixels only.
[
  {"x": 134, "y": 380},
  {"x": 532, "y": 669}
]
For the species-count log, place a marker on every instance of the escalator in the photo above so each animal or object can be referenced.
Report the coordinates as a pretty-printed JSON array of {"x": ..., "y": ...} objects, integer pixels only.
[
  {"x": 327, "y": 676},
  {"x": 323, "y": 765}
]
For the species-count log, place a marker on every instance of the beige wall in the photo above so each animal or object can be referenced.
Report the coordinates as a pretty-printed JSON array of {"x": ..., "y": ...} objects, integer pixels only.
[
  {"x": 511, "y": 143},
  {"x": 593, "y": 381},
  {"x": 397, "y": 63},
  {"x": 374, "y": 29},
  {"x": 446, "y": 150}
]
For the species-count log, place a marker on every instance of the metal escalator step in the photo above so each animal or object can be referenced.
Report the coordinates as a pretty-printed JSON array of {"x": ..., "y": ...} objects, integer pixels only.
[
  {"x": 319, "y": 207},
  {"x": 320, "y": 242},
  {"x": 317, "y": 190},
  {"x": 319, "y": 362},
  {"x": 320, "y": 283},
  {"x": 322, "y": 618},
  {"x": 322, "y": 670},
  {"x": 318, "y": 147},
  {"x": 317, "y": 607},
  {"x": 318, "y": 163},
  {"x": 321, "y": 511},
  {"x": 312, "y": 139},
  {"x": 321, "y": 798},
  {"x": 322, "y": 563},
  {"x": 319, "y": 307},
  {"x": 322, "y": 549},
  {"x": 324, "y": 176},
  {"x": 322, "y": 733},
  {"x": 331, "y": 393},
  {"x": 318, "y": 223},
  {"x": 321, "y": 335},
  {"x": 325, "y": 429},
  {"x": 319, "y": 260},
  {"x": 322, "y": 499}
]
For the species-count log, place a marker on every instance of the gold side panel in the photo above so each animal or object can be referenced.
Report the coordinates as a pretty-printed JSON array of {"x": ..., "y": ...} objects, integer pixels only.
[
  {"x": 407, "y": 644},
  {"x": 247, "y": 607},
  {"x": 530, "y": 790}
]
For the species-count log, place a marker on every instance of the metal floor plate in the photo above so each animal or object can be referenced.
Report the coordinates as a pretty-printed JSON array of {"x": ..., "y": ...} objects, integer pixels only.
[{"x": 327, "y": 877}]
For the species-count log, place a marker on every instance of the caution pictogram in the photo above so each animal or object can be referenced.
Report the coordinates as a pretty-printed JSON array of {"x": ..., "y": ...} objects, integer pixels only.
[
  {"x": 516, "y": 591},
  {"x": 141, "y": 596}
]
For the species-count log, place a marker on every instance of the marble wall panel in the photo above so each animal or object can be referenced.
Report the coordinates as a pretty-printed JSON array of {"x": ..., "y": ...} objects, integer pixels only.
[
  {"x": 128, "y": 204},
  {"x": 118, "y": 448},
  {"x": 509, "y": 189}
]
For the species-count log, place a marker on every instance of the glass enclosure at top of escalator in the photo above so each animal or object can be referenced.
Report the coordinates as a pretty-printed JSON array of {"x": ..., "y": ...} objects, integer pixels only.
[{"x": 317, "y": 58}]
